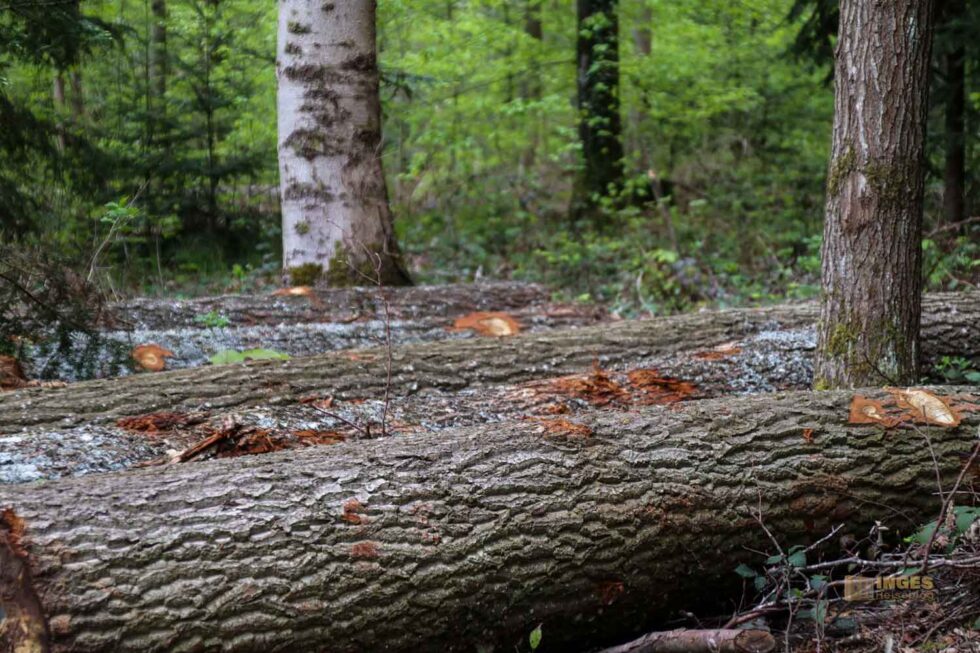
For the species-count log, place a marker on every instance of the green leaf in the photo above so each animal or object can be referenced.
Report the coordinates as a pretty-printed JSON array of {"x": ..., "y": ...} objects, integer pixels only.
[
  {"x": 228, "y": 356},
  {"x": 534, "y": 639},
  {"x": 797, "y": 559},
  {"x": 774, "y": 560},
  {"x": 818, "y": 582},
  {"x": 745, "y": 571},
  {"x": 760, "y": 583}
]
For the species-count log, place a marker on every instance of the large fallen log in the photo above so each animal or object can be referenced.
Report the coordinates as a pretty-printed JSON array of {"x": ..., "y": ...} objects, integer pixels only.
[
  {"x": 106, "y": 354},
  {"x": 327, "y": 305},
  {"x": 298, "y": 325},
  {"x": 463, "y": 543},
  {"x": 764, "y": 362},
  {"x": 951, "y": 326}
]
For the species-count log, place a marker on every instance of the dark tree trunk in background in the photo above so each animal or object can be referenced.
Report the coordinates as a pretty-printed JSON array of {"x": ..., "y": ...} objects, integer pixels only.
[
  {"x": 600, "y": 124},
  {"x": 458, "y": 541},
  {"x": 869, "y": 322},
  {"x": 531, "y": 79},
  {"x": 955, "y": 65}
]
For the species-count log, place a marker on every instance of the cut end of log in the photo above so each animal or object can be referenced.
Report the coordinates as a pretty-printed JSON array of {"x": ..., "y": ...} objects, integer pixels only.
[
  {"x": 151, "y": 358},
  {"x": 23, "y": 628},
  {"x": 488, "y": 324},
  {"x": 294, "y": 291}
]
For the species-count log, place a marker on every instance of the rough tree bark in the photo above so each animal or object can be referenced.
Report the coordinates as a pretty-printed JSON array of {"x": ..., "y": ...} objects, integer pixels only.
[
  {"x": 951, "y": 326},
  {"x": 872, "y": 261},
  {"x": 600, "y": 125},
  {"x": 335, "y": 213},
  {"x": 437, "y": 543}
]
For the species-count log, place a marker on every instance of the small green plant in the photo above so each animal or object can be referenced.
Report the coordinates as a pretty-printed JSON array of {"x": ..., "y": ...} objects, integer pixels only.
[
  {"x": 956, "y": 369},
  {"x": 962, "y": 519},
  {"x": 534, "y": 639},
  {"x": 212, "y": 320},
  {"x": 227, "y": 356}
]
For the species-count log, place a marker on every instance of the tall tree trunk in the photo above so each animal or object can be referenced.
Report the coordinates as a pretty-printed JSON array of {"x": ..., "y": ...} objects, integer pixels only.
[
  {"x": 77, "y": 95},
  {"x": 600, "y": 125},
  {"x": 869, "y": 322},
  {"x": 531, "y": 79},
  {"x": 335, "y": 214},
  {"x": 955, "y": 171},
  {"x": 158, "y": 54},
  {"x": 457, "y": 541},
  {"x": 58, "y": 96}
]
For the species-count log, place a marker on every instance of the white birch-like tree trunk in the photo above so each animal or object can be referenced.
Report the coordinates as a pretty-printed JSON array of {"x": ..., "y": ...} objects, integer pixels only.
[{"x": 335, "y": 215}]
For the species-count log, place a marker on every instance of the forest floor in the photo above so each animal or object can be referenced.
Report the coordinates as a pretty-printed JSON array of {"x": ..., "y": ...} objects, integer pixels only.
[{"x": 153, "y": 338}]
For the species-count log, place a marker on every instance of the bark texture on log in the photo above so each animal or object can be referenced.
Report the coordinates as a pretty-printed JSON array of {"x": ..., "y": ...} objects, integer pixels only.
[
  {"x": 436, "y": 543},
  {"x": 765, "y": 362},
  {"x": 951, "y": 326}
]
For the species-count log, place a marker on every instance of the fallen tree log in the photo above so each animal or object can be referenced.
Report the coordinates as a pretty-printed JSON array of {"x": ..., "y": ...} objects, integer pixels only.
[
  {"x": 951, "y": 326},
  {"x": 775, "y": 360},
  {"x": 327, "y": 305},
  {"x": 106, "y": 354},
  {"x": 435, "y": 543}
]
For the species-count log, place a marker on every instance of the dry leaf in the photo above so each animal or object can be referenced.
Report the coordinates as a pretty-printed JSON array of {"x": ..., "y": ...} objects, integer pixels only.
[
  {"x": 295, "y": 291},
  {"x": 926, "y": 406},
  {"x": 868, "y": 411},
  {"x": 151, "y": 358},
  {"x": 11, "y": 374},
  {"x": 488, "y": 324}
]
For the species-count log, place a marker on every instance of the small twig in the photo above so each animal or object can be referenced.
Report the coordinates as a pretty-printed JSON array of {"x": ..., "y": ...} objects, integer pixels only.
[
  {"x": 946, "y": 504},
  {"x": 357, "y": 427}
]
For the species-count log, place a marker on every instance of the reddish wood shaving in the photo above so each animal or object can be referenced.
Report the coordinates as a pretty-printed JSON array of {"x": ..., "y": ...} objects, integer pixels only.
[
  {"x": 365, "y": 550},
  {"x": 655, "y": 389},
  {"x": 155, "y": 422},
  {"x": 561, "y": 427}
]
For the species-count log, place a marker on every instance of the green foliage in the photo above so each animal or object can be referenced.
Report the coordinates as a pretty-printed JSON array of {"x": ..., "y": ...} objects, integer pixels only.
[
  {"x": 963, "y": 518},
  {"x": 212, "y": 320},
  {"x": 228, "y": 356},
  {"x": 481, "y": 147},
  {"x": 956, "y": 369}
]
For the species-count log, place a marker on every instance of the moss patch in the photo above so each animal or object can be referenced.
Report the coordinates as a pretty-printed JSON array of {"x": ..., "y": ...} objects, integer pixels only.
[
  {"x": 306, "y": 274},
  {"x": 841, "y": 169}
]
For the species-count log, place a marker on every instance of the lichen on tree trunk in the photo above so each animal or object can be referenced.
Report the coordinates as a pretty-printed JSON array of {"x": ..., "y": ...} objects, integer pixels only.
[
  {"x": 872, "y": 261},
  {"x": 335, "y": 213}
]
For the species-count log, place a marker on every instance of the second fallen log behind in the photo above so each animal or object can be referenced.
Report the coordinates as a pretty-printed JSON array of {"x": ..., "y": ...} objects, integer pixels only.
[
  {"x": 453, "y": 542},
  {"x": 951, "y": 326}
]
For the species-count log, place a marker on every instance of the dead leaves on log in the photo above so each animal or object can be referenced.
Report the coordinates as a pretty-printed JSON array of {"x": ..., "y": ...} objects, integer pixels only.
[
  {"x": 488, "y": 324},
  {"x": 909, "y": 405}
]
